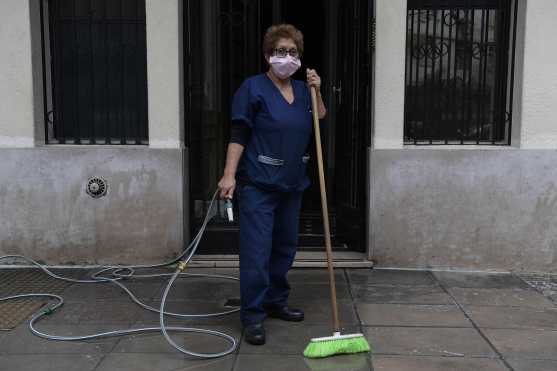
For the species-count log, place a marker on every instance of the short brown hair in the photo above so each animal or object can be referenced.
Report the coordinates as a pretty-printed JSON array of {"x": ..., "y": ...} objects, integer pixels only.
[{"x": 282, "y": 31}]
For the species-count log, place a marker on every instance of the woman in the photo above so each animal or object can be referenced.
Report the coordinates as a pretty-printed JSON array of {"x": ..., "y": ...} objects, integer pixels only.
[{"x": 271, "y": 128}]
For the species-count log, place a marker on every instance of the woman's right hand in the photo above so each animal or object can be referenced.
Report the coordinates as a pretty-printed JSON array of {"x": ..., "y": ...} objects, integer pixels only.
[{"x": 227, "y": 184}]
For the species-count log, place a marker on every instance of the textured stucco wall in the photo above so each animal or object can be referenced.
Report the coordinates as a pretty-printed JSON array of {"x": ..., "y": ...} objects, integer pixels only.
[
  {"x": 16, "y": 75},
  {"x": 46, "y": 214},
  {"x": 164, "y": 73},
  {"x": 390, "y": 52},
  {"x": 481, "y": 209},
  {"x": 539, "y": 79}
]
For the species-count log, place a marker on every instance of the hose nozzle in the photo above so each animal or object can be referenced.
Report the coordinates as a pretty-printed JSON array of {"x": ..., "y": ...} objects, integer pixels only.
[{"x": 229, "y": 210}]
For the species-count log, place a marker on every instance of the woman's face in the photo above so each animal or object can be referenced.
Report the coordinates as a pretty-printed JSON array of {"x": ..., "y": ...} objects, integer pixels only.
[{"x": 283, "y": 45}]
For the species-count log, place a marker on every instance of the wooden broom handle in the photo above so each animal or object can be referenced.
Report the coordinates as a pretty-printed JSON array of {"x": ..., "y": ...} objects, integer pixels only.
[{"x": 336, "y": 324}]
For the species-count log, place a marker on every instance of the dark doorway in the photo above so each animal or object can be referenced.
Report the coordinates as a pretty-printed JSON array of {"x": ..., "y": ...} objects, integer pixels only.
[{"x": 222, "y": 46}]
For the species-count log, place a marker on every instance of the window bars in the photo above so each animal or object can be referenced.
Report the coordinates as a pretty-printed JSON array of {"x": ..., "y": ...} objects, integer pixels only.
[
  {"x": 94, "y": 60},
  {"x": 459, "y": 71}
]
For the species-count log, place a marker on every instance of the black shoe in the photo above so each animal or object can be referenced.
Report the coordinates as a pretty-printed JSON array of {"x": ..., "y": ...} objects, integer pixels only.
[
  {"x": 255, "y": 334},
  {"x": 285, "y": 313}
]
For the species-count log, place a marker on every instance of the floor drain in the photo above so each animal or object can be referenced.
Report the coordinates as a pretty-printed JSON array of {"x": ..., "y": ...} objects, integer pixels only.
[
  {"x": 232, "y": 303},
  {"x": 22, "y": 281}
]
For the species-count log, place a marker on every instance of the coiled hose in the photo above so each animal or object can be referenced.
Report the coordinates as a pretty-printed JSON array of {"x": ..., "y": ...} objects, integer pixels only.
[{"x": 116, "y": 274}]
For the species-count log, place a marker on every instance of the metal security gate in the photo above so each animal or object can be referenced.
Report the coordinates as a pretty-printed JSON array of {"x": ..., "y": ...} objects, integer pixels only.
[
  {"x": 221, "y": 49},
  {"x": 459, "y": 71},
  {"x": 222, "y": 46},
  {"x": 95, "y": 71},
  {"x": 353, "y": 93}
]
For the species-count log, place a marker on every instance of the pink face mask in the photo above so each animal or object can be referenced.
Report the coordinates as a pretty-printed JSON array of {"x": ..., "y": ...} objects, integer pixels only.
[{"x": 284, "y": 67}]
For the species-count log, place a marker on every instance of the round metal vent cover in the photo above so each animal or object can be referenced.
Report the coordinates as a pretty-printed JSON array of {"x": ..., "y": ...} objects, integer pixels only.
[{"x": 96, "y": 187}]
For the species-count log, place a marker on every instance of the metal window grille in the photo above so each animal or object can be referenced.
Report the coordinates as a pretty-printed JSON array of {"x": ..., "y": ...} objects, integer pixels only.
[
  {"x": 95, "y": 71},
  {"x": 459, "y": 71}
]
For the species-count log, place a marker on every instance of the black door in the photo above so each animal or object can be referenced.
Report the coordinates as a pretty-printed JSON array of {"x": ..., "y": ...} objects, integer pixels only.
[
  {"x": 353, "y": 100},
  {"x": 222, "y": 45}
]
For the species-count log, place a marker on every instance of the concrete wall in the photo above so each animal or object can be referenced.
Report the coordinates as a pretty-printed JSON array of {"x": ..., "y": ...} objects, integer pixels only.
[
  {"x": 484, "y": 209},
  {"x": 46, "y": 214},
  {"x": 473, "y": 207},
  {"x": 44, "y": 210}
]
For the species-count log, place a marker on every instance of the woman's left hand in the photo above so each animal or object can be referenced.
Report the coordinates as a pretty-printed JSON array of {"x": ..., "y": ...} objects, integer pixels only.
[{"x": 313, "y": 79}]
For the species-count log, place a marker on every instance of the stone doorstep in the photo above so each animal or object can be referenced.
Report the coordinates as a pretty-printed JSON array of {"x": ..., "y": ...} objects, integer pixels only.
[{"x": 303, "y": 260}]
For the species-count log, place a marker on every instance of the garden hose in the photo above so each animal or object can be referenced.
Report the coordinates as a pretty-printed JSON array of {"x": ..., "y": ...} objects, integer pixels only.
[{"x": 115, "y": 275}]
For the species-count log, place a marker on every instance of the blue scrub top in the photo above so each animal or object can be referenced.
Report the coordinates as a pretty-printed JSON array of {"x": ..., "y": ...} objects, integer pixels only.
[{"x": 274, "y": 157}]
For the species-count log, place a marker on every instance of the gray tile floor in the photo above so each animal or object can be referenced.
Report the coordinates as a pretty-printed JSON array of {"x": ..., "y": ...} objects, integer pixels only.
[{"x": 414, "y": 320}]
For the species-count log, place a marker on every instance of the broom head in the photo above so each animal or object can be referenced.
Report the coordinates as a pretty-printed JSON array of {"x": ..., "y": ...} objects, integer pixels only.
[{"x": 336, "y": 344}]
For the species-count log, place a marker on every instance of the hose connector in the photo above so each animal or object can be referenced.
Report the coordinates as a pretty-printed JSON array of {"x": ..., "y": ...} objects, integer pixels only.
[
  {"x": 182, "y": 266},
  {"x": 47, "y": 311}
]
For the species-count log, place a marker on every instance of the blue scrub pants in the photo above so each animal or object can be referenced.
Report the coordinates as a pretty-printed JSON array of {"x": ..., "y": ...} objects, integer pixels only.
[{"x": 268, "y": 242}]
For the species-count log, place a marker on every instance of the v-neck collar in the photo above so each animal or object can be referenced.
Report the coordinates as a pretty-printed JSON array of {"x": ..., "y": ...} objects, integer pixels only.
[{"x": 280, "y": 93}]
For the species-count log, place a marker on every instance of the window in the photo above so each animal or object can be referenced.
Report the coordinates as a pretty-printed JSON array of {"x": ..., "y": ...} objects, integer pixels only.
[
  {"x": 459, "y": 71},
  {"x": 95, "y": 71}
]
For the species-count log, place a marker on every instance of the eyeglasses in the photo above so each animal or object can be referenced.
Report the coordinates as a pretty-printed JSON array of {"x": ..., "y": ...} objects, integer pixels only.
[{"x": 281, "y": 52}]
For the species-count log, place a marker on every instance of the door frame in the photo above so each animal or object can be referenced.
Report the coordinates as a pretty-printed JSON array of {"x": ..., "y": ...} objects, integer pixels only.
[{"x": 371, "y": 134}]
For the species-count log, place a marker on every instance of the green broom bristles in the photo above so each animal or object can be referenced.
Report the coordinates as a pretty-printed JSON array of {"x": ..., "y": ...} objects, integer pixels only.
[{"x": 337, "y": 344}]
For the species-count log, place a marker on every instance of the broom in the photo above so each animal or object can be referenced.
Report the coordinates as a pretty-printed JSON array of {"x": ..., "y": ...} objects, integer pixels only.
[{"x": 336, "y": 344}]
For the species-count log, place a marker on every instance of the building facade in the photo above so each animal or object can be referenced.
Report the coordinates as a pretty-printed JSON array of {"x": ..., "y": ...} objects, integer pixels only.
[{"x": 440, "y": 140}]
